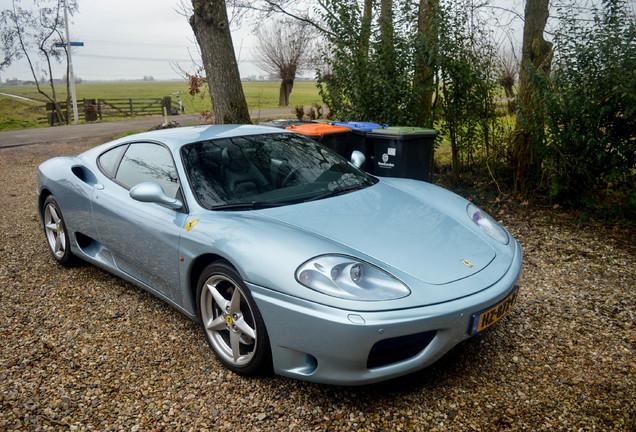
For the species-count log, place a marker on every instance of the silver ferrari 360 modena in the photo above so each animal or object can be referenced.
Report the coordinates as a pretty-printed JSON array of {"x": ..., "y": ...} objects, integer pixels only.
[{"x": 288, "y": 255}]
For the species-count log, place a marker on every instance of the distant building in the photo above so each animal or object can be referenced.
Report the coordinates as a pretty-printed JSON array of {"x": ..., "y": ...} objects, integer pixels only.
[{"x": 13, "y": 82}]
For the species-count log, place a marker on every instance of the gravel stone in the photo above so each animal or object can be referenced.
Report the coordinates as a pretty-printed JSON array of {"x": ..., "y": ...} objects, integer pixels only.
[{"x": 83, "y": 350}]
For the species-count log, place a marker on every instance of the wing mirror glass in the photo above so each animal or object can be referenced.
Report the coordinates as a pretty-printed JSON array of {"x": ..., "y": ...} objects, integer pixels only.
[
  {"x": 152, "y": 192},
  {"x": 358, "y": 158}
]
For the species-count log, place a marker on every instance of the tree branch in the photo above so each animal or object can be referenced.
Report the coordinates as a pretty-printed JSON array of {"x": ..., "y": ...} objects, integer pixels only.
[
  {"x": 515, "y": 13},
  {"x": 277, "y": 8}
]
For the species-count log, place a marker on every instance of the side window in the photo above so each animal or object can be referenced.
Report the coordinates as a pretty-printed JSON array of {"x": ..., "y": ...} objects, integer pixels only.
[
  {"x": 147, "y": 162},
  {"x": 108, "y": 161}
]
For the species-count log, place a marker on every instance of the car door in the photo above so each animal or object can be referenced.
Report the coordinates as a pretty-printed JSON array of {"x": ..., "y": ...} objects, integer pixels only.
[{"x": 142, "y": 237}]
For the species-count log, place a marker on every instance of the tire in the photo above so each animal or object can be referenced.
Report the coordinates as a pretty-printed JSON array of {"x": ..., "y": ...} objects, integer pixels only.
[
  {"x": 231, "y": 322},
  {"x": 56, "y": 233}
]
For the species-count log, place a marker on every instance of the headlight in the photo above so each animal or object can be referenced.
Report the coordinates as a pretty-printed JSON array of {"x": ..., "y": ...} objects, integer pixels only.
[
  {"x": 487, "y": 224},
  {"x": 349, "y": 278}
]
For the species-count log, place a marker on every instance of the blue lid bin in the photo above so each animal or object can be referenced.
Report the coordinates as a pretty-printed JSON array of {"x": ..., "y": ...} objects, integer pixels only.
[{"x": 356, "y": 140}]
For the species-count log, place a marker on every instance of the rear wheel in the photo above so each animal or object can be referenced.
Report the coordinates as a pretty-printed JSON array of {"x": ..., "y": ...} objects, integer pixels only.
[
  {"x": 231, "y": 322},
  {"x": 56, "y": 233}
]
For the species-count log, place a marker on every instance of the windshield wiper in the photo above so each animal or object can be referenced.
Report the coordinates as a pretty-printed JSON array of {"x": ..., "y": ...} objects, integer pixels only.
[
  {"x": 338, "y": 191},
  {"x": 254, "y": 205}
]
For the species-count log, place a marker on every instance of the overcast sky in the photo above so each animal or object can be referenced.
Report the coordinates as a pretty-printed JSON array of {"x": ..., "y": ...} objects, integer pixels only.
[{"x": 130, "y": 39}]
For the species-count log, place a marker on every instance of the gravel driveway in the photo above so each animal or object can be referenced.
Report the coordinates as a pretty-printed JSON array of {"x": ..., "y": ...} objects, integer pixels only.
[{"x": 84, "y": 350}]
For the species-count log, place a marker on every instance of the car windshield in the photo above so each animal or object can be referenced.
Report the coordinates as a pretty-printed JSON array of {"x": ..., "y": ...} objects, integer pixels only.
[{"x": 259, "y": 171}]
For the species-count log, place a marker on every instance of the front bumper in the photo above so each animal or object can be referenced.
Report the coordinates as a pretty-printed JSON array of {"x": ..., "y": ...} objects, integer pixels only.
[{"x": 323, "y": 344}]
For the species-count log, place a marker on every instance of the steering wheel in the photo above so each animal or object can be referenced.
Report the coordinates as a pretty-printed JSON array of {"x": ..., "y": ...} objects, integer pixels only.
[{"x": 291, "y": 175}]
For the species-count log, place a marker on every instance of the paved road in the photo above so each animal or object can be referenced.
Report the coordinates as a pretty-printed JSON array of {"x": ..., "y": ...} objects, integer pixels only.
[
  {"x": 108, "y": 130},
  {"x": 19, "y": 97}
]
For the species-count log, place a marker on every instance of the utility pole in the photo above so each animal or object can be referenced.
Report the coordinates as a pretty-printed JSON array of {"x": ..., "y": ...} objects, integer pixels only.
[{"x": 70, "y": 64}]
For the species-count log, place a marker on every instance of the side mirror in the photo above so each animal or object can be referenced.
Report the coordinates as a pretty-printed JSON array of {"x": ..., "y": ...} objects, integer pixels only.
[
  {"x": 358, "y": 158},
  {"x": 152, "y": 192}
]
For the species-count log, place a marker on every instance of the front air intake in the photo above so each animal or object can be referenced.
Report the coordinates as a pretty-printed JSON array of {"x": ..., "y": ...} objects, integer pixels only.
[{"x": 400, "y": 348}]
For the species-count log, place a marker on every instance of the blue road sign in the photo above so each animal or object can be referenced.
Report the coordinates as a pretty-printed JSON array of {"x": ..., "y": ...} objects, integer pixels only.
[{"x": 63, "y": 44}]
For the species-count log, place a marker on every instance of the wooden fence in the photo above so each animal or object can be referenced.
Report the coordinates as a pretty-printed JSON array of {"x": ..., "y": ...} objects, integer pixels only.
[{"x": 98, "y": 109}]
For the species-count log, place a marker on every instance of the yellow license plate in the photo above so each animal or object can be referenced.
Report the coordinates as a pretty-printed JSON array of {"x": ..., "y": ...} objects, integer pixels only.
[{"x": 491, "y": 315}]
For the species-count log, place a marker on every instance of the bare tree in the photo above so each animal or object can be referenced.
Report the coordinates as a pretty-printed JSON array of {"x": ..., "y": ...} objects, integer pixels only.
[
  {"x": 211, "y": 27},
  {"x": 508, "y": 72},
  {"x": 284, "y": 50},
  {"x": 27, "y": 30},
  {"x": 509, "y": 69},
  {"x": 295, "y": 10}
]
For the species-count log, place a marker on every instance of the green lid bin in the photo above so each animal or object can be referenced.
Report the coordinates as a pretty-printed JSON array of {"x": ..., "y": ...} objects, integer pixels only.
[{"x": 403, "y": 151}]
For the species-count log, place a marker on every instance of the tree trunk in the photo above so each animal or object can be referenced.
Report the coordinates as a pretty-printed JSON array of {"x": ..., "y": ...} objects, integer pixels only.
[
  {"x": 286, "y": 87},
  {"x": 211, "y": 28},
  {"x": 281, "y": 95},
  {"x": 426, "y": 51},
  {"x": 386, "y": 21},
  {"x": 536, "y": 54},
  {"x": 53, "y": 98},
  {"x": 365, "y": 30},
  {"x": 508, "y": 85},
  {"x": 455, "y": 166}
]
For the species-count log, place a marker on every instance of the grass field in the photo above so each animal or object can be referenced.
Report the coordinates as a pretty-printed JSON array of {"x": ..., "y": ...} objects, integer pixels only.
[{"x": 18, "y": 114}]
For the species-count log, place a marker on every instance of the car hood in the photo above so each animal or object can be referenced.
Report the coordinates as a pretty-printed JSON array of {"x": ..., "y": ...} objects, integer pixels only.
[{"x": 406, "y": 231}]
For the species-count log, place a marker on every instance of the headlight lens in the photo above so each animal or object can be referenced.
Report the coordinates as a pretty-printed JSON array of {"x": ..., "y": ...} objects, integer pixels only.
[
  {"x": 349, "y": 278},
  {"x": 487, "y": 224}
]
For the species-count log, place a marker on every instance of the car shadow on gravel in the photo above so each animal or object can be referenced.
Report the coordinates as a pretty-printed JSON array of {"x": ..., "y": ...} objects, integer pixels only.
[{"x": 462, "y": 363}]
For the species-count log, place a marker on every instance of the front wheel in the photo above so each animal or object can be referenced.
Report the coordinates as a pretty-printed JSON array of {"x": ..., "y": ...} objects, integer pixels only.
[
  {"x": 231, "y": 322},
  {"x": 56, "y": 233}
]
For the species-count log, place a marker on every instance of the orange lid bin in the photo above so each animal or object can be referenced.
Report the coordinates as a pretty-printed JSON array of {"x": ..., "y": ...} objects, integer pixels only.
[
  {"x": 333, "y": 137},
  {"x": 318, "y": 130}
]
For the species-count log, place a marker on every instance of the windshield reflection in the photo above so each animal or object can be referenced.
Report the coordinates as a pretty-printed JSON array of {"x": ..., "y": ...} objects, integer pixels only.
[{"x": 267, "y": 170}]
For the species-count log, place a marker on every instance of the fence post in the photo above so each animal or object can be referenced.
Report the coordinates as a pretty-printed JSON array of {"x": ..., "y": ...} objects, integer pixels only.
[
  {"x": 99, "y": 108},
  {"x": 166, "y": 103},
  {"x": 53, "y": 117},
  {"x": 131, "y": 107},
  {"x": 49, "y": 115}
]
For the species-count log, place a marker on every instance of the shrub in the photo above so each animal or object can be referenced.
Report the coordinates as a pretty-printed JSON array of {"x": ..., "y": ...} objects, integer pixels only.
[{"x": 589, "y": 107}]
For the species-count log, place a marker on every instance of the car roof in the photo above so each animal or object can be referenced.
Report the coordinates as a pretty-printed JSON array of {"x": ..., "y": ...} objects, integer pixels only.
[{"x": 176, "y": 137}]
